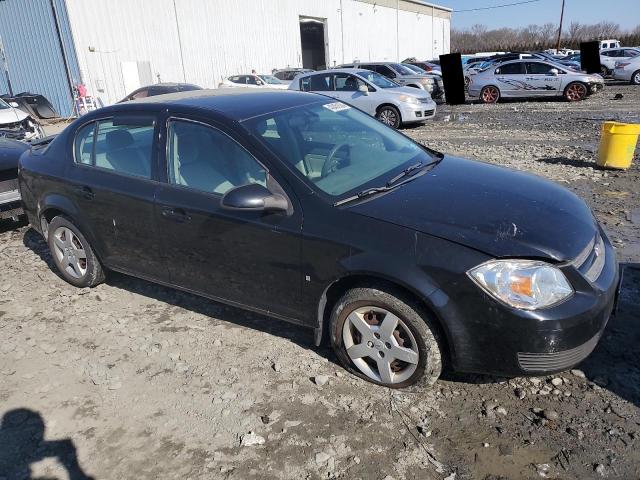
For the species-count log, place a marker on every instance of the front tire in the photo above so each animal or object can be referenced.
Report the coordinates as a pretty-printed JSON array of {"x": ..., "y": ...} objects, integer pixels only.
[
  {"x": 635, "y": 78},
  {"x": 575, "y": 92},
  {"x": 73, "y": 255},
  {"x": 390, "y": 116},
  {"x": 490, "y": 94},
  {"x": 385, "y": 338}
]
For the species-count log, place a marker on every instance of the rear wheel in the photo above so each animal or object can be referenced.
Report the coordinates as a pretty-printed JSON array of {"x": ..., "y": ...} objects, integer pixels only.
[
  {"x": 72, "y": 254},
  {"x": 635, "y": 78},
  {"x": 604, "y": 71},
  {"x": 390, "y": 116},
  {"x": 490, "y": 94},
  {"x": 575, "y": 92},
  {"x": 385, "y": 339}
]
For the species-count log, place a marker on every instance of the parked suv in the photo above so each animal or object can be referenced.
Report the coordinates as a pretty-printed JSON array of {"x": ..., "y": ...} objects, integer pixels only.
[
  {"x": 398, "y": 73},
  {"x": 390, "y": 103}
]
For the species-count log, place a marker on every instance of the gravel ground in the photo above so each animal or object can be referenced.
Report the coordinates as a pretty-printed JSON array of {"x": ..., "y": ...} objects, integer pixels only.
[{"x": 133, "y": 380}]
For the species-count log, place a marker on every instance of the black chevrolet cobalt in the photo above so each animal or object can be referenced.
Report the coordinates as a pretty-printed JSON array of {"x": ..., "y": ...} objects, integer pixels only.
[{"x": 308, "y": 210}]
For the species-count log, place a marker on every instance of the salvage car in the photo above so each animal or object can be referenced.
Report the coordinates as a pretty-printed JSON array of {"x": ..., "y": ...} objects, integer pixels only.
[
  {"x": 306, "y": 209},
  {"x": 18, "y": 125},
  {"x": 159, "y": 89},
  {"x": 10, "y": 151},
  {"x": 628, "y": 70},
  {"x": 372, "y": 93},
  {"x": 532, "y": 78}
]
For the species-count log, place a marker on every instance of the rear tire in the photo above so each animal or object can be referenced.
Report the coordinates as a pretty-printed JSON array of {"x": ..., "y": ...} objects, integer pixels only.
[
  {"x": 635, "y": 78},
  {"x": 576, "y": 92},
  {"x": 367, "y": 345},
  {"x": 490, "y": 94},
  {"x": 73, "y": 255},
  {"x": 390, "y": 116}
]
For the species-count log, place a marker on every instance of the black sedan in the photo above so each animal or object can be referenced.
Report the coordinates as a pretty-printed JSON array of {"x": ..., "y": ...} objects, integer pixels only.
[{"x": 308, "y": 210}]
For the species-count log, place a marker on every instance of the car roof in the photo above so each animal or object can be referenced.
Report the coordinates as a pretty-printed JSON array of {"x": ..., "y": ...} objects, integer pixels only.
[{"x": 237, "y": 104}]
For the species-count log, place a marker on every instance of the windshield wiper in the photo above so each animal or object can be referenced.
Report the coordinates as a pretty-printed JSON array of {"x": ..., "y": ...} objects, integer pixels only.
[
  {"x": 364, "y": 193},
  {"x": 404, "y": 173}
]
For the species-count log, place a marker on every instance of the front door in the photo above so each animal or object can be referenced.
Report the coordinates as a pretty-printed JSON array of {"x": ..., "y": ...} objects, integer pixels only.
[
  {"x": 112, "y": 184},
  {"x": 347, "y": 90},
  {"x": 542, "y": 77},
  {"x": 248, "y": 258}
]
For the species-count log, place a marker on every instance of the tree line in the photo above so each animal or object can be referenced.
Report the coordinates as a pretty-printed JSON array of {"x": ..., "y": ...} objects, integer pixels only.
[{"x": 479, "y": 38}]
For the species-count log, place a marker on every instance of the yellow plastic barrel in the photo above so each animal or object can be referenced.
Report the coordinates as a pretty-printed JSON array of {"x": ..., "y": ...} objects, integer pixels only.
[{"x": 617, "y": 144}]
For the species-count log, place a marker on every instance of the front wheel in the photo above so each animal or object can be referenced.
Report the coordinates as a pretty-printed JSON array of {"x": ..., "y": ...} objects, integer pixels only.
[
  {"x": 575, "y": 92},
  {"x": 490, "y": 94},
  {"x": 390, "y": 116},
  {"x": 635, "y": 78},
  {"x": 385, "y": 339},
  {"x": 72, "y": 254}
]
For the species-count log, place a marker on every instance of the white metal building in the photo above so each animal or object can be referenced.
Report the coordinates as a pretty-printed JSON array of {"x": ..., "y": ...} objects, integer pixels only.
[{"x": 115, "y": 46}]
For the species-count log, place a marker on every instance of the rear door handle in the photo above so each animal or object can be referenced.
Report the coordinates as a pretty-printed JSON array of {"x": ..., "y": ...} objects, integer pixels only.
[
  {"x": 84, "y": 191},
  {"x": 175, "y": 214}
]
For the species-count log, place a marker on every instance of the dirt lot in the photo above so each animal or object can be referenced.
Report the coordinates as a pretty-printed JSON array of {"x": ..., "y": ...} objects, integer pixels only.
[{"x": 134, "y": 381}]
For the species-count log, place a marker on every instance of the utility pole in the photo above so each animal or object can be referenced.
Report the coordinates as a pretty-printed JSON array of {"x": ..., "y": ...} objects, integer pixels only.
[{"x": 560, "y": 28}]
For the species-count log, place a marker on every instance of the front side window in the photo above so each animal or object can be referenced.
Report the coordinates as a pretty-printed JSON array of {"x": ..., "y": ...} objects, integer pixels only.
[
  {"x": 141, "y": 94},
  {"x": 123, "y": 145},
  {"x": 205, "y": 159},
  {"x": 377, "y": 79},
  {"x": 401, "y": 69},
  {"x": 336, "y": 148},
  {"x": 347, "y": 83}
]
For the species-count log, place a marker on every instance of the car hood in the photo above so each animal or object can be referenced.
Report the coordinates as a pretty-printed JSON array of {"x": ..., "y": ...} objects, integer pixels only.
[
  {"x": 410, "y": 91},
  {"x": 10, "y": 151},
  {"x": 499, "y": 211},
  {"x": 11, "y": 115}
]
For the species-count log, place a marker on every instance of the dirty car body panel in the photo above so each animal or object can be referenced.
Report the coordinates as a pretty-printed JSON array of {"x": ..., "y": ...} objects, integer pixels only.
[{"x": 422, "y": 235}]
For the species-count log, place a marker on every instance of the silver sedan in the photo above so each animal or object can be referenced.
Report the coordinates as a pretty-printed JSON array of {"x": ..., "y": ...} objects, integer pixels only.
[
  {"x": 369, "y": 91},
  {"x": 532, "y": 78}
]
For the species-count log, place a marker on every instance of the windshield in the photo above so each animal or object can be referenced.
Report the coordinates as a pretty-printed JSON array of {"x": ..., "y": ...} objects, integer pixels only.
[
  {"x": 377, "y": 79},
  {"x": 401, "y": 69},
  {"x": 270, "y": 79},
  {"x": 336, "y": 148},
  {"x": 416, "y": 69},
  {"x": 4, "y": 105}
]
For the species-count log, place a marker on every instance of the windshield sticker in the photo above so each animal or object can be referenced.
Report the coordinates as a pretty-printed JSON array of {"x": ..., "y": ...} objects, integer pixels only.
[{"x": 336, "y": 106}]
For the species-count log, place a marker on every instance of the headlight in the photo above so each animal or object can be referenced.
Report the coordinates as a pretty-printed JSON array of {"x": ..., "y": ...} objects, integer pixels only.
[
  {"x": 525, "y": 284},
  {"x": 426, "y": 81},
  {"x": 409, "y": 99}
]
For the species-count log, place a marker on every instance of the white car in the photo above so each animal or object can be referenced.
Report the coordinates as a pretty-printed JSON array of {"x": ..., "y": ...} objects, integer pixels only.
[
  {"x": 608, "y": 58},
  {"x": 372, "y": 93},
  {"x": 253, "y": 81},
  {"x": 18, "y": 125},
  {"x": 628, "y": 70}
]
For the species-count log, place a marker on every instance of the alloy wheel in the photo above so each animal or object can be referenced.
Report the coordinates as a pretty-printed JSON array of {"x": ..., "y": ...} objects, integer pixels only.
[
  {"x": 636, "y": 78},
  {"x": 380, "y": 345},
  {"x": 70, "y": 252},
  {"x": 576, "y": 92},
  {"x": 490, "y": 95},
  {"x": 388, "y": 117}
]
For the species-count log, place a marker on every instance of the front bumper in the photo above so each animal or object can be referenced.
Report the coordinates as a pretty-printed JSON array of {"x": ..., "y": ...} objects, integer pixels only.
[
  {"x": 488, "y": 337},
  {"x": 417, "y": 113}
]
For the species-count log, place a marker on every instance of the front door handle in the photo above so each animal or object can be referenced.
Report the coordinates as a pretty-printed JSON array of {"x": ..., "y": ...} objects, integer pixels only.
[
  {"x": 85, "y": 191},
  {"x": 175, "y": 214}
]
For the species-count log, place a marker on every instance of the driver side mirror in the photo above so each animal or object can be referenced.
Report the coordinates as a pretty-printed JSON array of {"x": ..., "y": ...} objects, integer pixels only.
[
  {"x": 363, "y": 89},
  {"x": 554, "y": 71},
  {"x": 254, "y": 198},
  {"x": 14, "y": 104}
]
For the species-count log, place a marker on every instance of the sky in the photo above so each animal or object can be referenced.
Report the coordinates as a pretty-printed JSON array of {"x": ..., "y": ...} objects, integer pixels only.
[{"x": 624, "y": 12}]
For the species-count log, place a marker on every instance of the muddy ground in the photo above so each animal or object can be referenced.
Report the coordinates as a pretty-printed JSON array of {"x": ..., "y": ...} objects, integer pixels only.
[{"x": 135, "y": 381}]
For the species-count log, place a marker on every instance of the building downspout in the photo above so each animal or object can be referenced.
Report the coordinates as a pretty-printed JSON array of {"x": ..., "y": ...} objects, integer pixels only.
[
  {"x": 175, "y": 13},
  {"x": 63, "y": 52}
]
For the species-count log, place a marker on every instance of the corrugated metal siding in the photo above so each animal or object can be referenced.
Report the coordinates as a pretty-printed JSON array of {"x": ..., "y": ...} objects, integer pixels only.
[
  {"x": 220, "y": 38},
  {"x": 33, "y": 51}
]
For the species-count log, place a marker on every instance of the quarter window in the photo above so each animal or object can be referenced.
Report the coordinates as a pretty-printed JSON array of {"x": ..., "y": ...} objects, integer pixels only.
[{"x": 205, "y": 159}]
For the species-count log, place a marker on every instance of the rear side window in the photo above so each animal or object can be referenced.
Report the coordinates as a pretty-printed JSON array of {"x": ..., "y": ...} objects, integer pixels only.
[
  {"x": 83, "y": 148},
  {"x": 124, "y": 146},
  {"x": 511, "y": 69},
  {"x": 537, "y": 68}
]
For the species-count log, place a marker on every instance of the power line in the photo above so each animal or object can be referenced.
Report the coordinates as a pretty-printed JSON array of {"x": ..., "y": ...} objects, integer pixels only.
[{"x": 496, "y": 6}]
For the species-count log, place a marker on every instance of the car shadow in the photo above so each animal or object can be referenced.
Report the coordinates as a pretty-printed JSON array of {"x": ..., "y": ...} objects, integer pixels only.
[
  {"x": 23, "y": 443},
  {"x": 571, "y": 162},
  {"x": 8, "y": 224},
  {"x": 302, "y": 336},
  {"x": 615, "y": 363}
]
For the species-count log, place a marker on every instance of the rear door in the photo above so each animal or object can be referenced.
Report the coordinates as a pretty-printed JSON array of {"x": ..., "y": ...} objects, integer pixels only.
[
  {"x": 112, "y": 182},
  {"x": 247, "y": 258},
  {"x": 540, "y": 77},
  {"x": 510, "y": 79}
]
